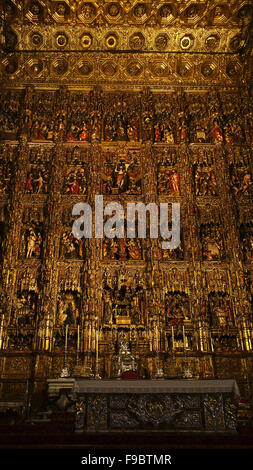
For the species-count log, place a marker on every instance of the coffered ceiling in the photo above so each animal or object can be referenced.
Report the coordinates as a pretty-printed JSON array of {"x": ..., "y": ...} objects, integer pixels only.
[{"x": 173, "y": 43}]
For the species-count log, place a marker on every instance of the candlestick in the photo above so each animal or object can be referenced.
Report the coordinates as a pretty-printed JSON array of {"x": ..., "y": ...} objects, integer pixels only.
[
  {"x": 97, "y": 376},
  {"x": 165, "y": 341},
  {"x": 241, "y": 338},
  {"x": 173, "y": 340},
  {"x": 1, "y": 332},
  {"x": 249, "y": 339},
  {"x": 159, "y": 371},
  {"x": 65, "y": 371},
  {"x": 201, "y": 337},
  {"x": 78, "y": 344},
  {"x": 187, "y": 373},
  {"x": 184, "y": 336},
  {"x": 85, "y": 338},
  {"x": 89, "y": 337},
  {"x": 97, "y": 345},
  {"x": 51, "y": 339},
  {"x": 150, "y": 341},
  {"x": 93, "y": 338},
  {"x": 47, "y": 334},
  {"x": 66, "y": 337},
  {"x": 78, "y": 338},
  {"x": 42, "y": 338}
]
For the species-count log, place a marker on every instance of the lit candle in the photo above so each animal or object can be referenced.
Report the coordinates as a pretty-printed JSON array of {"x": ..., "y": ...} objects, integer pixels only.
[
  {"x": 201, "y": 337},
  {"x": 47, "y": 333},
  {"x": 157, "y": 339}
]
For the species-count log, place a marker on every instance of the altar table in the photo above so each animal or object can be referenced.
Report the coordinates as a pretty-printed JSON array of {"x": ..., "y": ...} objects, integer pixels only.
[{"x": 150, "y": 405}]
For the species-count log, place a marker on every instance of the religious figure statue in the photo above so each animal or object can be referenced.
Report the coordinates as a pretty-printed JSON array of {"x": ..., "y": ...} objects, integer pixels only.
[
  {"x": 212, "y": 243},
  {"x": 68, "y": 310},
  {"x": 71, "y": 247},
  {"x": 134, "y": 248},
  {"x": 176, "y": 308},
  {"x": 168, "y": 180},
  {"x": 241, "y": 180},
  {"x": 220, "y": 311},
  {"x": 205, "y": 181}
]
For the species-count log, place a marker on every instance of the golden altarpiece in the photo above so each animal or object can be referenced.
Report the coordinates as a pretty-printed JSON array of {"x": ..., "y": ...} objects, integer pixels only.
[{"x": 138, "y": 102}]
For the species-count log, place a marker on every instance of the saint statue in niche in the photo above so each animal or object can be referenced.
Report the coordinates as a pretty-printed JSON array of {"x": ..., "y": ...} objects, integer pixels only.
[{"x": 68, "y": 308}]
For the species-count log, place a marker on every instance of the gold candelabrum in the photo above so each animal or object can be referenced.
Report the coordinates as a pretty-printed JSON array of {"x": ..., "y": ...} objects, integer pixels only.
[
  {"x": 78, "y": 369},
  {"x": 91, "y": 345},
  {"x": 2, "y": 332},
  {"x": 84, "y": 370},
  {"x": 65, "y": 371},
  {"x": 90, "y": 336},
  {"x": 159, "y": 374},
  {"x": 97, "y": 376}
]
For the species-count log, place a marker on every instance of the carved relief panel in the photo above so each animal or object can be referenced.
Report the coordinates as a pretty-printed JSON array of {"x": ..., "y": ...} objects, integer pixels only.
[
  {"x": 123, "y": 298},
  {"x": 166, "y": 118},
  {"x": 7, "y": 164},
  {"x": 71, "y": 247},
  {"x": 231, "y": 112},
  {"x": 204, "y": 126},
  {"x": 78, "y": 120},
  {"x": 76, "y": 172},
  {"x": 241, "y": 183},
  {"x": 211, "y": 235},
  {"x": 10, "y": 114},
  {"x": 26, "y": 307},
  {"x": 44, "y": 123},
  {"x": 69, "y": 298},
  {"x": 122, "y": 249},
  {"x": 168, "y": 180},
  {"x": 38, "y": 171},
  {"x": 121, "y": 171},
  {"x": 246, "y": 239},
  {"x": 204, "y": 172},
  {"x": 121, "y": 117},
  {"x": 177, "y": 308},
  {"x": 220, "y": 310},
  {"x": 32, "y": 233}
]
